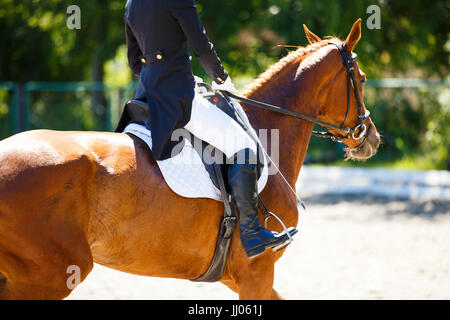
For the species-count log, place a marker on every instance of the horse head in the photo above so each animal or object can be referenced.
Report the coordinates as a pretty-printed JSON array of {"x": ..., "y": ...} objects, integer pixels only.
[{"x": 340, "y": 99}]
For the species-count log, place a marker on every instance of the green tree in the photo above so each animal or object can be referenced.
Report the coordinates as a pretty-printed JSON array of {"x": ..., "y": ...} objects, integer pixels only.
[{"x": 37, "y": 45}]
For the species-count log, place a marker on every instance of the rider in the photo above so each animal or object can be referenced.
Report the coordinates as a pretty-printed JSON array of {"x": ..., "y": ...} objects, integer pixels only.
[{"x": 158, "y": 33}]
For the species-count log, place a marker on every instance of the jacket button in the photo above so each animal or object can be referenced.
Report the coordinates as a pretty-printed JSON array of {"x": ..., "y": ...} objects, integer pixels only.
[
  {"x": 159, "y": 57},
  {"x": 143, "y": 60}
]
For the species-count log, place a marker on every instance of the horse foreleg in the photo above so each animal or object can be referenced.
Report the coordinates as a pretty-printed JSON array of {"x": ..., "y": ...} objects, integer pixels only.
[
  {"x": 254, "y": 278},
  {"x": 276, "y": 296},
  {"x": 230, "y": 284}
]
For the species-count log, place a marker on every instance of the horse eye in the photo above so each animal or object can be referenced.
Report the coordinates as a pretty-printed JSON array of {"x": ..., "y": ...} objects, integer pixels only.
[{"x": 363, "y": 81}]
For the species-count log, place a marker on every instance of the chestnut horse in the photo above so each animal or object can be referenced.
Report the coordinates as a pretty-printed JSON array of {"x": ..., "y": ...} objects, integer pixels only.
[{"x": 74, "y": 198}]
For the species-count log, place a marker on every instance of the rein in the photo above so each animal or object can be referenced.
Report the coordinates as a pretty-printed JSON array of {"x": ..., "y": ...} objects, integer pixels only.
[
  {"x": 351, "y": 81},
  {"x": 288, "y": 112}
]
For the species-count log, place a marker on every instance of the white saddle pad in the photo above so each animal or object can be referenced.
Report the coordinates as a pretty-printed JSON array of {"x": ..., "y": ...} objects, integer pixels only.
[{"x": 185, "y": 173}]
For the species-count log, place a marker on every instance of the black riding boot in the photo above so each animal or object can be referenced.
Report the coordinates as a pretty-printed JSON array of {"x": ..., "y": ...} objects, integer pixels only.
[{"x": 242, "y": 179}]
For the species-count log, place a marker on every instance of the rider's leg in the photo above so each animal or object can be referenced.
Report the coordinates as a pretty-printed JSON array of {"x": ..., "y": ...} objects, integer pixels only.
[
  {"x": 212, "y": 125},
  {"x": 242, "y": 178}
]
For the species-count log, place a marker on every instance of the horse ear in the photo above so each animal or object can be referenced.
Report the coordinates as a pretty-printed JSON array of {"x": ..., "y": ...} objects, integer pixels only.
[
  {"x": 354, "y": 36},
  {"x": 312, "y": 38}
]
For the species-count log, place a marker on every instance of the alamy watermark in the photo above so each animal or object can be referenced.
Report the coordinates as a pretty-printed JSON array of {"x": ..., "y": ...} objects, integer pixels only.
[
  {"x": 74, "y": 20},
  {"x": 75, "y": 277},
  {"x": 374, "y": 20}
]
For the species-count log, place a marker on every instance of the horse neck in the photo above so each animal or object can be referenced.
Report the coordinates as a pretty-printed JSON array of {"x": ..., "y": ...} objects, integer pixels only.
[{"x": 294, "y": 134}]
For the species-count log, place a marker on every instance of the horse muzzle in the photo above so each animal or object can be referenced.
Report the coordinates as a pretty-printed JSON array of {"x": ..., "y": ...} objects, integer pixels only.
[{"x": 368, "y": 147}]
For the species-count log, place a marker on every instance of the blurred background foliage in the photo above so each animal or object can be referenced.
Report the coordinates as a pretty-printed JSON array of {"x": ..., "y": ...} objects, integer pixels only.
[{"x": 413, "y": 42}]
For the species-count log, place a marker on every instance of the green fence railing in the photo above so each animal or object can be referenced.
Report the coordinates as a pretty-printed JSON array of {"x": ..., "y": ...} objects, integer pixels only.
[
  {"x": 21, "y": 104},
  {"x": 14, "y": 105},
  {"x": 75, "y": 87}
]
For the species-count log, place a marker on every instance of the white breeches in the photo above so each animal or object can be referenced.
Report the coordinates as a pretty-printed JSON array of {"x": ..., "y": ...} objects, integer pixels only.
[{"x": 214, "y": 126}]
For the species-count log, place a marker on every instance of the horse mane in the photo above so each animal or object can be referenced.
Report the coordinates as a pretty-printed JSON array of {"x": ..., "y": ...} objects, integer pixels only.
[{"x": 296, "y": 56}]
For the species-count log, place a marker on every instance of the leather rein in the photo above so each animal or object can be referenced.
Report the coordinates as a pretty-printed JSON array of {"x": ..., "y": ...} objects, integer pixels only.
[{"x": 351, "y": 81}]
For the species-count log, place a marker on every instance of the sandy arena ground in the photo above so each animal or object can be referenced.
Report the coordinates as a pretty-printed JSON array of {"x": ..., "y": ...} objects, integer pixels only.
[{"x": 348, "y": 247}]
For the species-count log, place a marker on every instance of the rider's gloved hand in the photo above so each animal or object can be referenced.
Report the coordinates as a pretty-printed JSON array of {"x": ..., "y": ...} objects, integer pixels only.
[{"x": 226, "y": 86}]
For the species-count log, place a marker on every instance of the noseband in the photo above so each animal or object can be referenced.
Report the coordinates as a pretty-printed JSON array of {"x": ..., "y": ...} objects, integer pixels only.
[{"x": 351, "y": 81}]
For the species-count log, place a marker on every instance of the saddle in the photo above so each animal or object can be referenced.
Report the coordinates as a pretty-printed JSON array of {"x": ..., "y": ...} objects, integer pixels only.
[{"x": 137, "y": 112}]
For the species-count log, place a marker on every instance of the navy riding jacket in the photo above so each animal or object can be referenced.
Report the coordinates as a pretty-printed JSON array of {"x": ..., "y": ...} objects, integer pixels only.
[{"x": 158, "y": 36}]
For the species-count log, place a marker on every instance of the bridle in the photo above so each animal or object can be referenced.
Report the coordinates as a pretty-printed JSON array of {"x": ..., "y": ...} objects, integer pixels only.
[{"x": 351, "y": 81}]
